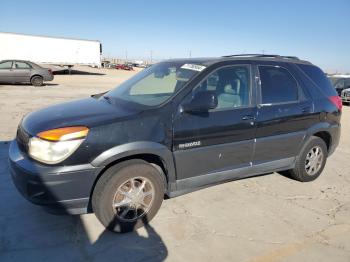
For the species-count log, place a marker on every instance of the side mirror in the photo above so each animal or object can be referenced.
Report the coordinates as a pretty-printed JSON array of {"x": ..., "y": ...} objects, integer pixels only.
[{"x": 202, "y": 101}]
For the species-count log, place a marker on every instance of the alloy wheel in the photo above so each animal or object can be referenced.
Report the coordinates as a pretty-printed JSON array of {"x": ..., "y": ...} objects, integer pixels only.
[
  {"x": 314, "y": 160},
  {"x": 133, "y": 199}
]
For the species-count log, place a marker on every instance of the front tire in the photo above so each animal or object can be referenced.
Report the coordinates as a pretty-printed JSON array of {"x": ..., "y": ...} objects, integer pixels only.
[
  {"x": 311, "y": 160},
  {"x": 37, "y": 81},
  {"x": 128, "y": 195}
]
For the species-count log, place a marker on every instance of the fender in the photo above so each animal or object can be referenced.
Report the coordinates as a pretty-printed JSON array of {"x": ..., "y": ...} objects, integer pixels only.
[
  {"x": 136, "y": 148},
  {"x": 332, "y": 129},
  {"x": 322, "y": 126}
]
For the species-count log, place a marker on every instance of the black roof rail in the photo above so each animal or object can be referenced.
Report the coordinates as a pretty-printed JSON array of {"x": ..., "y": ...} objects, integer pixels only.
[
  {"x": 291, "y": 57},
  {"x": 262, "y": 55},
  {"x": 243, "y": 55}
]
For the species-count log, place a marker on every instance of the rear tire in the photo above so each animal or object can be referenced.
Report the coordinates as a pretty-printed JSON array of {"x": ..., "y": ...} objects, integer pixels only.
[
  {"x": 37, "y": 81},
  {"x": 311, "y": 160},
  {"x": 120, "y": 201}
]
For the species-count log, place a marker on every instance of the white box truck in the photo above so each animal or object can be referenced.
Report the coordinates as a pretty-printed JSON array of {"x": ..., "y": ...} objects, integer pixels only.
[{"x": 50, "y": 50}]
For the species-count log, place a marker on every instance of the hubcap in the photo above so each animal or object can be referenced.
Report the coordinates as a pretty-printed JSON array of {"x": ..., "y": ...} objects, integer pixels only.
[
  {"x": 133, "y": 199},
  {"x": 314, "y": 160},
  {"x": 37, "y": 81}
]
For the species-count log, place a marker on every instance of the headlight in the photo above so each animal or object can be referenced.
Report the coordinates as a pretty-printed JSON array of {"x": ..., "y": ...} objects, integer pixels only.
[{"x": 54, "y": 146}]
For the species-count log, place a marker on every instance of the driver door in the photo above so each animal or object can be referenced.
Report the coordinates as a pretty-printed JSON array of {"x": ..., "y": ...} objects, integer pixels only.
[
  {"x": 21, "y": 71},
  {"x": 208, "y": 144}
]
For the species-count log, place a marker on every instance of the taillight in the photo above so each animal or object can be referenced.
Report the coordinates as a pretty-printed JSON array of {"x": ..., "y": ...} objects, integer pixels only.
[
  {"x": 50, "y": 71},
  {"x": 336, "y": 100}
]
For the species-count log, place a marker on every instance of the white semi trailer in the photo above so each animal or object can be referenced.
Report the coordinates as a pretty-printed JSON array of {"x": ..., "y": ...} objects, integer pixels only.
[{"x": 50, "y": 50}]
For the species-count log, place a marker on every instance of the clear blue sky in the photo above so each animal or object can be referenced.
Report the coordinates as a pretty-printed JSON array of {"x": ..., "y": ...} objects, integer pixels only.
[{"x": 310, "y": 29}]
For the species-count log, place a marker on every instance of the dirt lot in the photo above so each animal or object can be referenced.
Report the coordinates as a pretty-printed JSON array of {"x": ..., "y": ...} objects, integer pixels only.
[{"x": 266, "y": 218}]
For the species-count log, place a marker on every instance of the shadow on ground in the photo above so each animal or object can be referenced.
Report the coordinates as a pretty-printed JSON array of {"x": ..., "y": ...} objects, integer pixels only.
[
  {"x": 75, "y": 72},
  {"x": 28, "y": 233},
  {"x": 28, "y": 84}
]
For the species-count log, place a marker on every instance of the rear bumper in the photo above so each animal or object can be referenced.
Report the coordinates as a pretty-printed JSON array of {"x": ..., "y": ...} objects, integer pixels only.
[
  {"x": 335, "y": 132},
  {"x": 60, "y": 189},
  {"x": 48, "y": 77}
]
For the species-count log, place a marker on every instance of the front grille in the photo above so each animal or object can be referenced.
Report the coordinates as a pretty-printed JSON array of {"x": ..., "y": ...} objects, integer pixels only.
[{"x": 22, "y": 139}]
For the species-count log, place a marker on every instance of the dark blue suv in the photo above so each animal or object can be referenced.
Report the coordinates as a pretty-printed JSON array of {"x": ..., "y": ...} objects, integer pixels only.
[{"x": 177, "y": 126}]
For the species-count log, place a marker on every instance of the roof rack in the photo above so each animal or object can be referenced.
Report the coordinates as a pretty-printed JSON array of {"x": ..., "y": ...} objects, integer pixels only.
[{"x": 263, "y": 55}]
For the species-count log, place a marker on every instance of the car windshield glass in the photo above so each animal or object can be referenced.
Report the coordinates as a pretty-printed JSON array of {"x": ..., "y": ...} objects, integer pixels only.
[
  {"x": 156, "y": 84},
  {"x": 333, "y": 80}
]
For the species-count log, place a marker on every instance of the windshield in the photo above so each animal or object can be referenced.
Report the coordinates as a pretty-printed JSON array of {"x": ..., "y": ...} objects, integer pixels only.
[{"x": 156, "y": 84}]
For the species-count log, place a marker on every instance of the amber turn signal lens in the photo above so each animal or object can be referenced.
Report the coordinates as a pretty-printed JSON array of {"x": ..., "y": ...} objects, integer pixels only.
[{"x": 64, "y": 134}]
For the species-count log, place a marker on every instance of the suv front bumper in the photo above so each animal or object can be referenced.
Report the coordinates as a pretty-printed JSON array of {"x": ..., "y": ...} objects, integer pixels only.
[
  {"x": 345, "y": 99},
  {"x": 60, "y": 189}
]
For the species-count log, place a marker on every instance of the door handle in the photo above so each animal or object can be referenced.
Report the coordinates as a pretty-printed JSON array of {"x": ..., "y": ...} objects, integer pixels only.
[
  {"x": 248, "y": 117},
  {"x": 306, "y": 109}
]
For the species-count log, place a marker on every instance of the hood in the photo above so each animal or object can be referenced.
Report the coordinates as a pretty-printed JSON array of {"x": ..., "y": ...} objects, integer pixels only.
[{"x": 85, "y": 112}]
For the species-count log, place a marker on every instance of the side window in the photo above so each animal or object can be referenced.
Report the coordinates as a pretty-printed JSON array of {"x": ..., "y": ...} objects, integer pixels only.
[
  {"x": 319, "y": 78},
  {"x": 22, "y": 65},
  {"x": 6, "y": 65},
  {"x": 230, "y": 84},
  {"x": 277, "y": 85},
  {"x": 339, "y": 84},
  {"x": 347, "y": 83}
]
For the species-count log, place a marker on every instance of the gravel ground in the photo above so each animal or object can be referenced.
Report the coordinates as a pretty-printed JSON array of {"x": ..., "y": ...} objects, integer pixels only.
[{"x": 266, "y": 218}]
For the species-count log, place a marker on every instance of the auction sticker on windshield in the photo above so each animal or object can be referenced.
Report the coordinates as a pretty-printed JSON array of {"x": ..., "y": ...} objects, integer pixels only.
[{"x": 193, "y": 67}]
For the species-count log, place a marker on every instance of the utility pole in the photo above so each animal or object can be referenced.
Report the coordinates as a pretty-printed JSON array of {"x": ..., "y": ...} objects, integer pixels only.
[
  {"x": 126, "y": 55},
  {"x": 151, "y": 56},
  {"x": 190, "y": 54}
]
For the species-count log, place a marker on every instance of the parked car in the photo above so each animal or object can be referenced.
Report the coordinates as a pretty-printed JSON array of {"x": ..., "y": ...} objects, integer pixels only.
[
  {"x": 110, "y": 65},
  {"x": 175, "y": 127},
  {"x": 341, "y": 84},
  {"x": 20, "y": 71},
  {"x": 124, "y": 67},
  {"x": 345, "y": 96}
]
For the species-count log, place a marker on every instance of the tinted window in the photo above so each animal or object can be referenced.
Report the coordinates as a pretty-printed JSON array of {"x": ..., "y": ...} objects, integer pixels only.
[
  {"x": 277, "y": 85},
  {"x": 6, "y": 65},
  {"x": 230, "y": 84},
  {"x": 319, "y": 78},
  {"x": 347, "y": 82},
  {"x": 22, "y": 65}
]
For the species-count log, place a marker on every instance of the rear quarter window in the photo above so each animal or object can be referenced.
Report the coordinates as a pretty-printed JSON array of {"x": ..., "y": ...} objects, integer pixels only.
[{"x": 318, "y": 77}]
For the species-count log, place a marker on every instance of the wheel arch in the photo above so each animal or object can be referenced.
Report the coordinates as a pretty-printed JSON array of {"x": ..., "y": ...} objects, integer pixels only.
[
  {"x": 31, "y": 77},
  {"x": 151, "y": 152},
  {"x": 321, "y": 130},
  {"x": 326, "y": 137}
]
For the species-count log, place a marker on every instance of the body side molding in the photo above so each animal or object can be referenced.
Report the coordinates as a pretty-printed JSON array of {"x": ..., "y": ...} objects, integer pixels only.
[{"x": 194, "y": 183}]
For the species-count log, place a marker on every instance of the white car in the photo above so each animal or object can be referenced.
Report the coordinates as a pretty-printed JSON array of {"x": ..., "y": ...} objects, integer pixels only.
[{"x": 345, "y": 95}]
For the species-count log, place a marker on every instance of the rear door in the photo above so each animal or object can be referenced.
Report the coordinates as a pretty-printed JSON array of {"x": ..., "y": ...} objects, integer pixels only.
[
  {"x": 5, "y": 71},
  {"x": 21, "y": 71},
  {"x": 223, "y": 138},
  {"x": 283, "y": 114}
]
